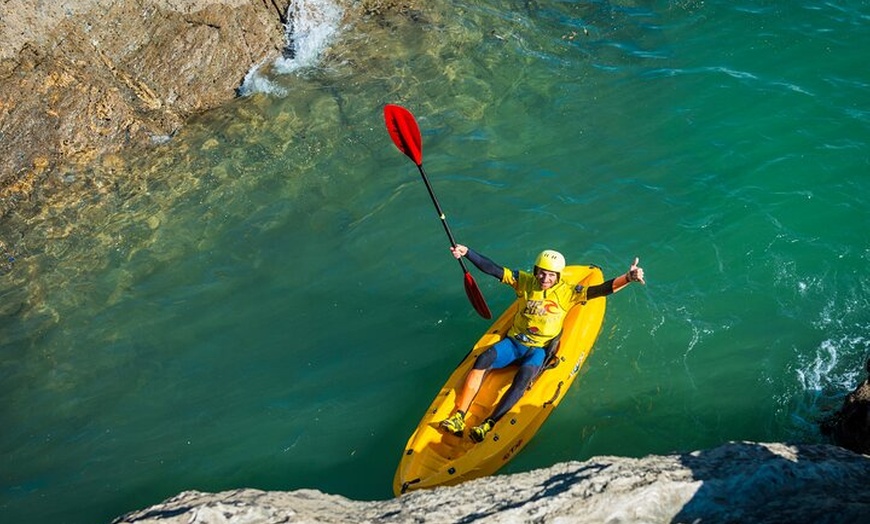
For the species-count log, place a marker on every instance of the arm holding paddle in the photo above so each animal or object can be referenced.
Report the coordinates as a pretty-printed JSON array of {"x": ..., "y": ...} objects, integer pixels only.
[{"x": 480, "y": 262}]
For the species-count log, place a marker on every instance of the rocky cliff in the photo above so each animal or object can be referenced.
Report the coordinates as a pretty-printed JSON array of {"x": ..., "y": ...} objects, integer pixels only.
[{"x": 737, "y": 482}]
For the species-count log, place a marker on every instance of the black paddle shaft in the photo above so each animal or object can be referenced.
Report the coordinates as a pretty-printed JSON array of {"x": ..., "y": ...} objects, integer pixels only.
[{"x": 440, "y": 213}]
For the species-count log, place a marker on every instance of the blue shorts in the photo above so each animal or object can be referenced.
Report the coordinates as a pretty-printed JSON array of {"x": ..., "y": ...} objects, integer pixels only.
[{"x": 510, "y": 350}]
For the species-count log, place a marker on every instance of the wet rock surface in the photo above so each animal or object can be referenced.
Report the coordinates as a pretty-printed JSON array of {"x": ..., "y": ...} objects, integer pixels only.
[
  {"x": 88, "y": 85},
  {"x": 81, "y": 79},
  {"x": 737, "y": 482}
]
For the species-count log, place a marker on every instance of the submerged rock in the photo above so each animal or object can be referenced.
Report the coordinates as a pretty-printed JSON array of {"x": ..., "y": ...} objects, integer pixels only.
[{"x": 737, "y": 482}]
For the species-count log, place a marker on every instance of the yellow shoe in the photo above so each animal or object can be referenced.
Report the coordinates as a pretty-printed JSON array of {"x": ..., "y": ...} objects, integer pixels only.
[
  {"x": 478, "y": 433},
  {"x": 454, "y": 424}
]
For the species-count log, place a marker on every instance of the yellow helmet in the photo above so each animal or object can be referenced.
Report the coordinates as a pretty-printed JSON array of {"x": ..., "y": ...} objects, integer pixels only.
[{"x": 550, "y": 260}]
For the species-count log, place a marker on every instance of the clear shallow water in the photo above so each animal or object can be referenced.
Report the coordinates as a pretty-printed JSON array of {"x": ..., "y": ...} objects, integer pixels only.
[{"x": 271, "y": 303}]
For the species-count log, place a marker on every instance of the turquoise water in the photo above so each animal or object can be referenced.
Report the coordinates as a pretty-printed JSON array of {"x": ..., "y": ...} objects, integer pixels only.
[{"x": 270, "y": 302}]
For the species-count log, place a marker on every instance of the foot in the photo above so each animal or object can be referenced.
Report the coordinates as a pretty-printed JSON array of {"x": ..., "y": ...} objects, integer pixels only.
[
  {"x": 454, "y": 424},
  {"x": 478, "y": 433}
]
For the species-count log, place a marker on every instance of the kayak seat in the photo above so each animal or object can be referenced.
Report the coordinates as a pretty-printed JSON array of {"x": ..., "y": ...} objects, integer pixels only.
[{"x": 551, "y": 358}]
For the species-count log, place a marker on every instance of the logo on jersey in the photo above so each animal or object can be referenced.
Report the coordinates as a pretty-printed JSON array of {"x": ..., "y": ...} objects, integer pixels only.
[{"x": 541, "y": 308}]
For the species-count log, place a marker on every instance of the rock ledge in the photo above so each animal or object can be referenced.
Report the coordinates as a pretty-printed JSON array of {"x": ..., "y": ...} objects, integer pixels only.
[{"x": 737, "y": 482}]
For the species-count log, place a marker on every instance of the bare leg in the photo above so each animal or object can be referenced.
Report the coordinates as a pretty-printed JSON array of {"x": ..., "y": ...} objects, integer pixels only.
[{"x": 469, "y": 389}]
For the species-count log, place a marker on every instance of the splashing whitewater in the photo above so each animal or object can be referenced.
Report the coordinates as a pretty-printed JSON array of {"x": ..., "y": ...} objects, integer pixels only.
[{"x": 310, "y": 28}]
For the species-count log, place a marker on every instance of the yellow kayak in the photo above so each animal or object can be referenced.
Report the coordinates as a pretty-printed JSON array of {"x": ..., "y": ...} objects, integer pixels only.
[{"x": 434, "y": 457}]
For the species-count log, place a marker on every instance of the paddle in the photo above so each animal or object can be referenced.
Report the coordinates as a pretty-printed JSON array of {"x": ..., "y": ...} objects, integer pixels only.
[{"x": 405, "y": 133}]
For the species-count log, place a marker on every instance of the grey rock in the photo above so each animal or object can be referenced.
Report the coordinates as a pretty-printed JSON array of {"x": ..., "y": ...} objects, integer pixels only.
[{"x": 736, "y": 482}]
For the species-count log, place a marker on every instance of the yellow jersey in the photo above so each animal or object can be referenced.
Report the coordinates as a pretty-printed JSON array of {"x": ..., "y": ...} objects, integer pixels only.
[{"x": 542, "y": 311}]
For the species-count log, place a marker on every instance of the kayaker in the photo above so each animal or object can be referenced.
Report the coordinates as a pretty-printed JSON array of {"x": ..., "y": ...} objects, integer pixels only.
[{"x": 546, "y": 301}]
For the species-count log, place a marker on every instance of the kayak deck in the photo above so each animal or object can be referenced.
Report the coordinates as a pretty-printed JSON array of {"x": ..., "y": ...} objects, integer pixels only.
[{"x": 433, "y": 457}]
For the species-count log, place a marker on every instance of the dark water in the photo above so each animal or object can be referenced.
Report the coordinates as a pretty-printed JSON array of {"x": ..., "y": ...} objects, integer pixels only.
[{"x": 272, "y": 304}]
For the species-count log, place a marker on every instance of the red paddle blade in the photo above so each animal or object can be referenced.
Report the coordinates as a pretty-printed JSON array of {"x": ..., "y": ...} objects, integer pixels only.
[
  {"x": 404, "y": 131},
  {"x": 476, "y": 297}
]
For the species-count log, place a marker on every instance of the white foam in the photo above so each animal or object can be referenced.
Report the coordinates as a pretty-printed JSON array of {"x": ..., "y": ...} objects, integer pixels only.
[
  {"x": 311, "y": 27},
  {"x": 257, "y": 82},
  {"x": 825, "y": 371}
]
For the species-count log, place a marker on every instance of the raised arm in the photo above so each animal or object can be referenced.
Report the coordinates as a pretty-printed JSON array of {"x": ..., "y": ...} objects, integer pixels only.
[
  {"x": 634, "y": 274},
  {"x": 481, "y": 262}
]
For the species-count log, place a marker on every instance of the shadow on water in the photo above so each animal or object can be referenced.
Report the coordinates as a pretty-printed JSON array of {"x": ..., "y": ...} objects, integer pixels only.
[{"x": 748, "y": 482}]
